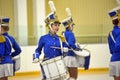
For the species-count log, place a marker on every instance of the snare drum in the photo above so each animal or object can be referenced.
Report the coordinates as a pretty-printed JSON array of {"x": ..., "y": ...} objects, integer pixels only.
[
  {"x": 16, "y": 63},
  {"x": 83, "y": 52},
  {"x": 83, "y": 58},
  {"x": 54, "y": 68}
]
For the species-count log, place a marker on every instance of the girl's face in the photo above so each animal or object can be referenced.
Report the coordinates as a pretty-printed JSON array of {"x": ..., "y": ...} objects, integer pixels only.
[
  {"x": 71, "y": 27},
  {"x": 55, "y": 27},
  {"x": 4, "y": 29}
]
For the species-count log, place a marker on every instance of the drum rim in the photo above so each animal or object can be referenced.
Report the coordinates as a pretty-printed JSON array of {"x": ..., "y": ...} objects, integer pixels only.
[
  {"x": 55, "y": 59},
  {"x": 85, "y": 50}
]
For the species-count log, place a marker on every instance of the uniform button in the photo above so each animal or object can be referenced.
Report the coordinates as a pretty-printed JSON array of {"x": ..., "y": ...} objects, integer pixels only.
[
  {"x": 54, "y": 49},
  {"x": 54, "y": 43}
]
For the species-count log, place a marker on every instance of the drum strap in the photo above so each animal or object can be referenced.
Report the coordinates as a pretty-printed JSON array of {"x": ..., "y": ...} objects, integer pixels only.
[
  {"x": 61, "y": 45},
  {"x": 65, "y": 39},
  {"x": 44, "y": 76},
  {"x": 9, "y": 42},
  {"x": 67, "y": 42},
  {"x": 112, "y": 37}
]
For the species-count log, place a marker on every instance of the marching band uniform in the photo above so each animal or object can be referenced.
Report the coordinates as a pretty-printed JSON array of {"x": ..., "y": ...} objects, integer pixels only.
[
  {"x": 6, "y": 54},
  {"x": 71, "y": 60},
  {"x": 47, "y": 41},
  {"x": 114, "y": 44}
]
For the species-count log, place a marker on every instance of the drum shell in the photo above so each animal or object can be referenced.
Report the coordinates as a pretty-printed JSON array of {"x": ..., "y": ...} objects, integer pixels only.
[
  {"x": 54, "y": 68},
  {"x": 83, "y": 52},
  {"x": 83, "y": 62},
  {"x": 16, "y": 63}
]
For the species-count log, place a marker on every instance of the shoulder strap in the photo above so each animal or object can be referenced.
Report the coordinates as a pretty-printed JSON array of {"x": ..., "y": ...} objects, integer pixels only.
[
  {"x": 112, "y": 37},
  {"x": 11, "y": 44},
  {"x": 65, "y": 39},
  {"x": 9, "y": 41},
  {"x": 62, "y": 39},
  {"x": 61, "y": 46}
]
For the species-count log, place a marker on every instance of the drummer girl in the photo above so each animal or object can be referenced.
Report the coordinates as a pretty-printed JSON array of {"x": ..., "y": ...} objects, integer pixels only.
[
  {"x": 49, "y": 40},
  {"x": 70, "y": 59}
]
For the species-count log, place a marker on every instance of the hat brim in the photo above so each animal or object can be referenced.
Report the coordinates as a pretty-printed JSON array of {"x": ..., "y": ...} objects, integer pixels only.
[
  {"x": 73, "y": 24},
  {"x": 57, "y": 22},
  {"x": 4, "y": 25}
]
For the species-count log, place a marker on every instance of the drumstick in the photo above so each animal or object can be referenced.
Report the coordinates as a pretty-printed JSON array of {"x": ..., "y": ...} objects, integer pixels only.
[
  {"x": 58, "y": 47},
  {"x": 40, "y": 60},
  {"x": 85, "y": 46}
]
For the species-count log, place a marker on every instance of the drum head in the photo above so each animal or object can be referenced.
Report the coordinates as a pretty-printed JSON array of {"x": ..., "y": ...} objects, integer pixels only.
[{"x": 82, "y": 52}]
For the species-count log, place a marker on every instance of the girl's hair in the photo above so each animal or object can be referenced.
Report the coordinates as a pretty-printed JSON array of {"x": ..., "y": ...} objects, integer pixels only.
[
  {"x": 115, "y": 22},
  {"x": 67, "y": 28},
  {"x": 6, "y": 28}
]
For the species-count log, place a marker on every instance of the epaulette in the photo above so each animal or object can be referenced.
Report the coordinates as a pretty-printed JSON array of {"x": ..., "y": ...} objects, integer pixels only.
[
  {"x": 2, "y": 39},
  {"x": 62, "y": 38}
]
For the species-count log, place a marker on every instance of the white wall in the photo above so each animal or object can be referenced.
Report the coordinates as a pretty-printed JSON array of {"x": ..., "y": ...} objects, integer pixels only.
[
  {"x": 38, "y": 18},
  {"x": 20, "y": 16},
  {"x": 99, "y": 57}
]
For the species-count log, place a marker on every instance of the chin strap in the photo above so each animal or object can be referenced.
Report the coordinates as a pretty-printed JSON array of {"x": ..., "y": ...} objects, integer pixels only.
[{"x": 53, "y": 32}]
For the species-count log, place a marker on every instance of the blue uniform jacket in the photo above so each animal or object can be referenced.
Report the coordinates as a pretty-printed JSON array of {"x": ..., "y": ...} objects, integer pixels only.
[
  {"x": 46, "y": 42},
  {"x": 5, "y": 49},
  {"x": 70, "y": 38},
  {"x": 115, "y": 47}
]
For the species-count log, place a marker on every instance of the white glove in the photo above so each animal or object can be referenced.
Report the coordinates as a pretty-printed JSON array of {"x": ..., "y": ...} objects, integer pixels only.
[
  {"x": 35, "y": 60},
  {"x": 65, "y": 49}
]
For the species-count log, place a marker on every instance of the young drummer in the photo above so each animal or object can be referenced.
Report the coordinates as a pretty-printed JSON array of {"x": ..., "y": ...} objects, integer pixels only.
[
  {"x": 6, "y": 54},
  {"x": 114, "y": 44},
  {"x": 49, "y": 40}
]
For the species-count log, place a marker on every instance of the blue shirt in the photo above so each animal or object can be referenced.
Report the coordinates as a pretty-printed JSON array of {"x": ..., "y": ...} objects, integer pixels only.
[
  {"x": 6, "y": 46},
  {"x": 70, "y": 38},
  {"x": 115, "y": 47},
  {"x": 46, "y": 42}
]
